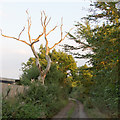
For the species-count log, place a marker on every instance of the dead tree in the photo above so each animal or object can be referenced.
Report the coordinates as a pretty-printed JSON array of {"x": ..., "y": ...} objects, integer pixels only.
[{"x": 44, "y": 22}]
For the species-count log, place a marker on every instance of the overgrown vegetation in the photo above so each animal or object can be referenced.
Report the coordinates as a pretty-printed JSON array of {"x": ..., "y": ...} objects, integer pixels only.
[
  {"x": 99, "y": 36},
  {"x": 38, "y": 102},
  {"x": 41, "y": 101},
  {"x": 97, "y": 87}
]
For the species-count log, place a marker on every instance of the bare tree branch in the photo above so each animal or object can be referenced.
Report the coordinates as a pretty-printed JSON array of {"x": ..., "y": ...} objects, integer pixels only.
[
  {"x": 48, "y": 21},
  {"x": 46, "y": 34},
  {"x": 21, "y": 32},
  {"x": 36, "y": 40},
  {"x": 44, "y": 22},
  {"x": 45, "y": 18},
  {"x": 51, "y": 30},
  {"x": 61, "y": 28},
  {"x": 62, "y": 38},
  {"x": 41, "y": 19},
  {"x": 46, "y": 46},
  {"x": 29, "y": 25},
  {"x": 14, "y": 38},
  {"x": 38, "y": 37}
]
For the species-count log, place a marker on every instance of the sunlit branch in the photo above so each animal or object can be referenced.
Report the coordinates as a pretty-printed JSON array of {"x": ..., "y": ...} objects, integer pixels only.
[
  {"x": 51, "y": 30},
  {"x": 38, "y": 37},
  {"x": 14, "y": 38},
  {"x": 61, "y": 39},
  {"x": 29, "y": 25}
]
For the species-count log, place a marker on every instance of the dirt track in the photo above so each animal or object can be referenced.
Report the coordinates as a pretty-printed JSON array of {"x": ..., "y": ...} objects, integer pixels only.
[{"x": 76, "y": 109}]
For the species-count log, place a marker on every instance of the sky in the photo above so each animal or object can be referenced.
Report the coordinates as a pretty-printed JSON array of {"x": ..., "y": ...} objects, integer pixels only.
[{"x": 13, "y": 18}]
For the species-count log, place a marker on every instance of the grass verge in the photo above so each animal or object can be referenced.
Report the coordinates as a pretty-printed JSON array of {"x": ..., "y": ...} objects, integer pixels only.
[
  {"x": 95, "y": 113},
  {"x": 70, "y": 112}
]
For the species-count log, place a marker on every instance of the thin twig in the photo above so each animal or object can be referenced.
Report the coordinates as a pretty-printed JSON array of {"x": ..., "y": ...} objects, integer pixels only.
[
  {"x": 61, "y": 28},
  {"x": 29, "y": 25},
  {"x": 48, "y": 21},
  {"x": 41, "y": 19},
  {"x": 51, "y": 30},
  {"x": 21, "y": 32},
  {"x": 60, "y": 40}
]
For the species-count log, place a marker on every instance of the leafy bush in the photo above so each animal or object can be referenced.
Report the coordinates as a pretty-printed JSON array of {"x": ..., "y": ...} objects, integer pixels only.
[
  {"x": 54, "y": 75},
  {"x": 28, "y": 74},
  {"x": 39, "y": 101},
  {"x": 20, "y": 109},
  {"x": 105, "y": 92}
]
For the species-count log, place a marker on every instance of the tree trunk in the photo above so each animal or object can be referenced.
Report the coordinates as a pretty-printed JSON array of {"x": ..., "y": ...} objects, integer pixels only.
[
  {"x": 41, "y": 79},
  {"x": 48, "y": 64},
  {"x": 43, "y": 73}
]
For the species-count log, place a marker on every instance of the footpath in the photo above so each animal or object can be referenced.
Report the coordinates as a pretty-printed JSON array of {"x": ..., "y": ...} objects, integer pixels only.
[{"x": 74, "y": 109}]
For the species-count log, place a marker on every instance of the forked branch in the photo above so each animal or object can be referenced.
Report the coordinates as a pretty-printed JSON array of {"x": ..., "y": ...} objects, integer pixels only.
[
  {"x": 14, "y": 38},
  {"x": 44, "y": 23},
  {"x": 36, "y": 40},
  {"x": 32, "y": 41}
]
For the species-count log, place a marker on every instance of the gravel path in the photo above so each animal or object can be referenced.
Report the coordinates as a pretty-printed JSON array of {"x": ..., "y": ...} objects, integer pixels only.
[{"x": 75, "y": 107}]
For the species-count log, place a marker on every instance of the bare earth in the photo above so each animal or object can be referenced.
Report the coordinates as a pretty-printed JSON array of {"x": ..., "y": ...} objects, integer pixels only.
[{"x": 77, "y": 113}]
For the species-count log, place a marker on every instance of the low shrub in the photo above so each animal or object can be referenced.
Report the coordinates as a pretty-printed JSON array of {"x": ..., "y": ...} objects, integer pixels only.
[{"x": 38, "y": 102}]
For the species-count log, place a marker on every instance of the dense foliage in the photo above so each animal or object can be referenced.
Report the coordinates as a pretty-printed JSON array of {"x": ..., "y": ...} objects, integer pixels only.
[{"x": 99, "y": 36}]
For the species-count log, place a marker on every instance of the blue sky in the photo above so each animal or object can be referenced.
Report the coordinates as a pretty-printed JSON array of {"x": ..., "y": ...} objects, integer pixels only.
[{"x": 12, "y": 19}]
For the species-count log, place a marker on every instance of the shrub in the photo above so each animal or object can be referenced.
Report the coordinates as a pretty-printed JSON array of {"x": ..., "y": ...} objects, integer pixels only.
[
  {"x": 28, "y": 74},
  {"x": 39, "y": 101}
]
